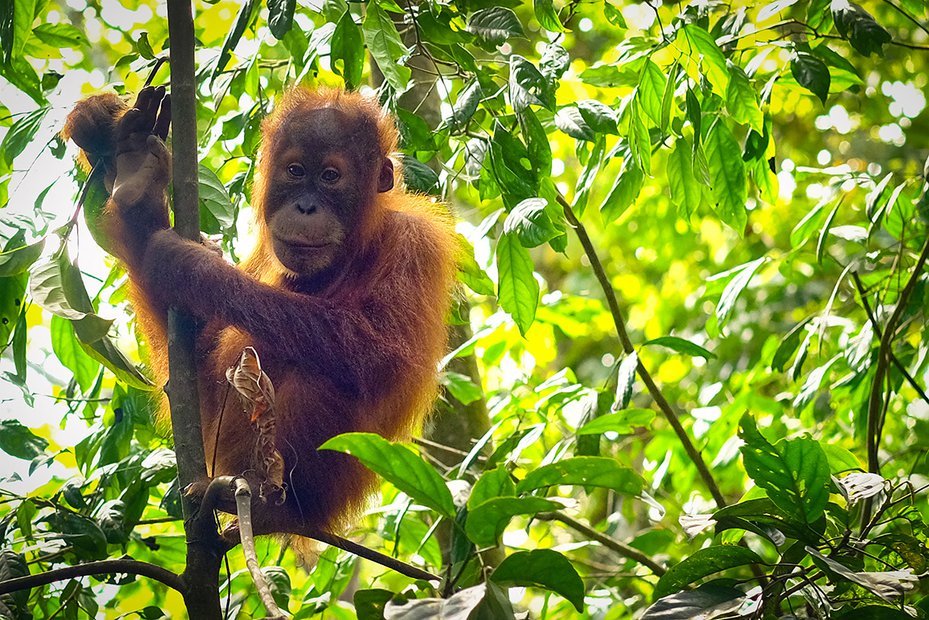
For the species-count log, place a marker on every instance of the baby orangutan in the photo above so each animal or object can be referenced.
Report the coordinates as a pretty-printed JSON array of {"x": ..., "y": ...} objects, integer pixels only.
[{"x": 344, "y": 298}]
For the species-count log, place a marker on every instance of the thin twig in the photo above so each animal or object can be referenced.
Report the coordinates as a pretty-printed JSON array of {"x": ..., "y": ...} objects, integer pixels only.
[
  {"x": 243, "y": 503},
  {"x": 900, "y": 10},
  {"x": 877, "y": 330},
  {"x": 876, "y": 400},
  {"x": 361, "y": 551},
  {"x": 620, "y": 323},
  {"x": 610, "y": 543},
  {"x": 103, "y": 567}
]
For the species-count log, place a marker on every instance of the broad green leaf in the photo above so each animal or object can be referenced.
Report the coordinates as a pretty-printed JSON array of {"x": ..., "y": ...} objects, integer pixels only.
[
  {"x": 794, "y": 472},
  {"x": 465, "y": 106},
  {"x": 494, "y": 483},
  {"x": 554, "y": 61},
  {"x": 623, "y": 422},
  {"x": 461, "y": 387},
  {"x": 859, "y": 27},
  {"x": 215, "y": 198},
  {"x": 598, "y": 116},
  {"x": 386, "y": 46},
  {"x": 570, "y": 120},
  {"x": 400, "y": 466},
  {"x": 21, "y": 133},
  {"x": 614, "y": 16},
  {"x": 712, "y": 60},
  {"x": 281, "y": 16},
  {"x": 592, "y": 471},
  {"x": 667, "y": 99},
  {"x": 72, "y": 355},
  {"x": 703, "y": 563},
  {"x": 812, "y": 74},
  {"x": 487, "y": 520},
  {"x": 60, "y": 35},
  {"x": 105, "y": 351},
  {"x": 23, "y": 18},
  {"x": 12, "y": 294},
  {"x": 651, "y": 90},
  {"x": 512, "y": 167},
  {"x": 56, "y": 285},
  {"x": 495, "y": 25},
  {"x": 609, "y": 76},
  {"x": 547, "y": 15},
  {"x": 517, "y": 288},
  {"x": 685, "y": 189},
  {"x": 537, "y": 144},
  {"x": 530, "y": 223},
  {"x": 528, "y": 86},
  {"x": 704, "y": 602},
  {"x": 788, "y": 345},
  {"x": 727, "y": 173},
  {"x": 469, "y": 271},
  {"x": 418, "y": 176},
  {"x": 681, "y": 345},
  {"x": 17, "y": 256},
  {"x": 347, "y": 50},
  {"x": 624, "y": 192},
  {"x": 17, "y": 440},
  {"x": 542, "y": 568},
  {"x": 640, "y": 142},
  {"x": 742, "y": 100}
]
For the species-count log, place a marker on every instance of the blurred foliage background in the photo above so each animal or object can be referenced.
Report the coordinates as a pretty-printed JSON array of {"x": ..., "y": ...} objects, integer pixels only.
[{"x": 746, "y": 178}]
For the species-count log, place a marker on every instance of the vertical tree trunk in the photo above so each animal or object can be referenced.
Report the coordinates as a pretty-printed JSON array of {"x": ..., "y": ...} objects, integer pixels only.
[{"x": 204, "y": 554}]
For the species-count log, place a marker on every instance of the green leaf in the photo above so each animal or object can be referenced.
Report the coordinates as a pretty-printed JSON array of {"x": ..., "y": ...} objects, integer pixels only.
[
  {"x": 812, "y": 74},
  {"x": 704, "y": 602},
  {"x": 547, "y": 15},
  {"x": 518, "y": 290},
  {"x": 857, "y": 25},
  {"x": 466, "y": 105},
  {"x": 400, "y": 466},
  {"x": 487, "y": 521},
  {"x": 685, "y": 189},
  {"x": 614, "y": 16},
  {"x": 17, "y": 256},
  {"x": 528, "y": 86},
  {"x": 554, "y": 62},
  {"x": 623, "y": 422},
  {"x": 598, "y": 116},
  {"x": 788, "y": 345},
  {"x": 650, "y": 91},
  {"x": 537, "y": 145},
  {"x": 624, "y": 192},
  {"x": 530, "y": 222},
  {"x": 245, "y": 17},
  {"x": 56, "y": 285},
  {"x": 418, "y": 176},
  {"x": 794, "y": 472},
  {"x": 742, "y": 100},
  {"x": 23, "y": 18},
  {"x": 72, "y": 355},
  {"x": 21, "y": 134},
  {"x": 703, "y": 563},
  {"x": 542, "y": 568},
  {"x": 681, "y": 345},
  {"x": 495, "y": 25},
  {"x": 215, "y": 198},
  {"x": 386, "y": 46},
  {"x": 494, "y": 483},
  {"x": 591, "y": 471},
  {"x": 347, "y": 49},
  {"x": 570, "y": 120},
  {"x": 740, "y": 277},
  {"x": 12, "y": 293},
  {"x": 640, "y": 142},
  {"x": 713, "y": 61},
  {"x": 17, "y": 440},
  {"x": 461, "y": 387},
  {"x": 281, "y": 16},
  {"x": 727, "y": 173},
  {"x": 60, "y": 35}
]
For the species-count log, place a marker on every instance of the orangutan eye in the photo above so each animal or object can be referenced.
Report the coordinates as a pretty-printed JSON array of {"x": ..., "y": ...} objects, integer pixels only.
[
  {"x": 330, "y": 175},
  {"x": 296, "y": 170}
]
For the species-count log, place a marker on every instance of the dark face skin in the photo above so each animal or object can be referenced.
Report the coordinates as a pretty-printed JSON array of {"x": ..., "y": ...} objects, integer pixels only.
[{"x": 323, "y": 175}]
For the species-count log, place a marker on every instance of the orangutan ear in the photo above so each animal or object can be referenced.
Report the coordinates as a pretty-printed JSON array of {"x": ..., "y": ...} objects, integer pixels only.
[{"x": 385, "y": 180}]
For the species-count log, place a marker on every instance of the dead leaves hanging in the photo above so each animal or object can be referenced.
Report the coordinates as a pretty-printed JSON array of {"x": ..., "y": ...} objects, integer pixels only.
[{"x": 256, "y": 394}]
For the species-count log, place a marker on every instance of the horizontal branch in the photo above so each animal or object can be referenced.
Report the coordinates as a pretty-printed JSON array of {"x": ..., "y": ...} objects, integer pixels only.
[
  {"x": 102, "y": 567},
  {"x": 610, "y": 543}
]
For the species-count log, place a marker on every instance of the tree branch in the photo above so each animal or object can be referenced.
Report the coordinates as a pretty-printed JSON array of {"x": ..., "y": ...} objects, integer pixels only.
[
  {"x": 103, "y": 567},
  {"x": 670, "y": 414},
  {"x": 610, "y": 543},
  {"x": 875, "y": 401},
  {"x": 243, "y": 503}
]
